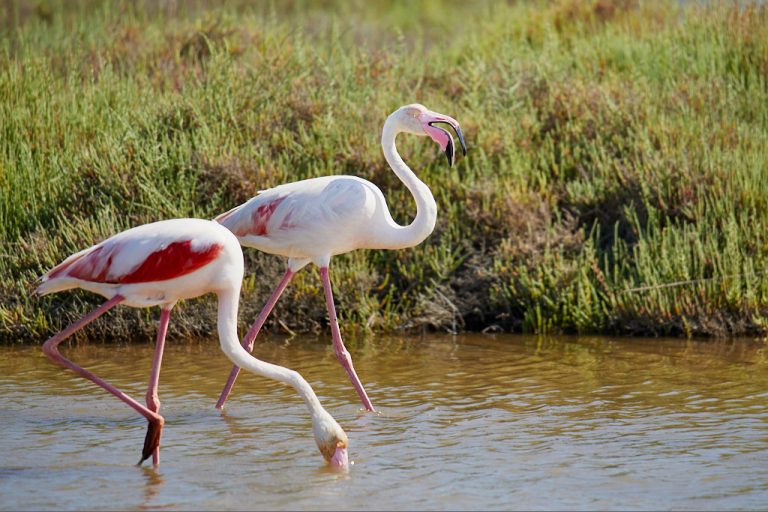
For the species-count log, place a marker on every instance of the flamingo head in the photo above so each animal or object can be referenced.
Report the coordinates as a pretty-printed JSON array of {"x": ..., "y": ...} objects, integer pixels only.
[
  {"x": 331, "y": 440},
  {"x": 419, "y": 120}
]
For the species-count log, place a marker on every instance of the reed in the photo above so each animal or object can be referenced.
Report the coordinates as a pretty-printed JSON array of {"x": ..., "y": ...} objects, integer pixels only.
[{"x": 616, "y": 147}]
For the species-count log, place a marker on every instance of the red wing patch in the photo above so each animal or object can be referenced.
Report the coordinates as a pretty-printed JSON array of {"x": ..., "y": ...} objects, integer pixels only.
[
  {"x": 174, "y": 260},
  {"x": 260, "y": 218}
]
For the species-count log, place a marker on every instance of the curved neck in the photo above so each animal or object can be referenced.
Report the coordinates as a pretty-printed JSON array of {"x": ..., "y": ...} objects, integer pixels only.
[
  {"x": 426, "y": 209},
  {"x": 230, "y": 344}
]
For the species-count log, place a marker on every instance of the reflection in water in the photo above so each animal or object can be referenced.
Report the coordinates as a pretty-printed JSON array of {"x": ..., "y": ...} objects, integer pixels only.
[
  {"x": 467, "y": 422},
  {"x": 154, "y": 481},
  {"x": 232, "y": 423}
]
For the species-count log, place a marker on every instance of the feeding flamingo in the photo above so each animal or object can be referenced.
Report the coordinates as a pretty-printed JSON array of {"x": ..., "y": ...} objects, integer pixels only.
[
  {"x": 159, "y": 264},
  {"x": 314, "y": 219}
]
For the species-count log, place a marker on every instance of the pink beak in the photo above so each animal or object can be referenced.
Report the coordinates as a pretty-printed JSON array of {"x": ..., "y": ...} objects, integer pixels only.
[
  {"x": 340, "y": 458},
  {"x": 441, "y": 135}
]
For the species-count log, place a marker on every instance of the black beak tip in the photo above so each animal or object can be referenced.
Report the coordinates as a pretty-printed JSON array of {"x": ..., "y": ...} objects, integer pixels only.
[
  {"x": 449, "y": 153},
  {"x": 461, "y": 141}
]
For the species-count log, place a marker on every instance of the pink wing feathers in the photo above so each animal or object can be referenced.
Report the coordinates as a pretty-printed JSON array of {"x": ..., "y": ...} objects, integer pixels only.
[
  {"x": 118, "y": 262},
  {"x": 311, "y": 205},
  {"x": 253, "y": 220}
]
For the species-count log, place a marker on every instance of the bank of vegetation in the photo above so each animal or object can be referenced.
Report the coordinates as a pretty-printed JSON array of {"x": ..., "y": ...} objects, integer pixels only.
[{"x": 615, "y": 148}]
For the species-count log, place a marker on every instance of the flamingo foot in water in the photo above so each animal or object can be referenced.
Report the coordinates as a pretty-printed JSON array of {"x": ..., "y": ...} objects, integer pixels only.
[{"x": 152, "y": 440}]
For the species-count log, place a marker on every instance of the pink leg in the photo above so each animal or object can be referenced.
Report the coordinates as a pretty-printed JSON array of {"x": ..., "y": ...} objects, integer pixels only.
[
  {"x": 50, "y": 348},
  {"x": 153, "y": 400},
  {"x": 341, "y": 352},
  {"x": 250, "y": 336}
]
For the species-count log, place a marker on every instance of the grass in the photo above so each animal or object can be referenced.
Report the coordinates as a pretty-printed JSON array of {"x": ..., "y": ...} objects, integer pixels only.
[{"x": 613, "y": 146}]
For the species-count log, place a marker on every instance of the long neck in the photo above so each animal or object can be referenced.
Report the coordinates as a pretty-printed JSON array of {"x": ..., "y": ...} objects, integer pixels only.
[
  {"x": 230, "y": 344},
  {"x": 426, "y": 209}
]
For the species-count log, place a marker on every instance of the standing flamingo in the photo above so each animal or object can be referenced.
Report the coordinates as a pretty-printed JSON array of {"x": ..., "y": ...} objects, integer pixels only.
[
  {"x": 160, "y": 264},
  {"x": 314, "y": 219}
]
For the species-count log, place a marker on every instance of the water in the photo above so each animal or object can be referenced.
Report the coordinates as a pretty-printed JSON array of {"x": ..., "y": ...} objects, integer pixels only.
[{"x": 468, "y": 422}]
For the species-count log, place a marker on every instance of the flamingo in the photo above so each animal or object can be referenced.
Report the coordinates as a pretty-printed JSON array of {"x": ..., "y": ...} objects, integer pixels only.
[
  {"x": 159, "y": 264},
  {"x": 314, "y": 219}
]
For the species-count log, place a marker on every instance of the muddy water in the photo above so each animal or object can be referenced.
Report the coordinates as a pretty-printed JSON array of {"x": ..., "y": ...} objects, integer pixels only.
[{"x": 469, "y": 422}]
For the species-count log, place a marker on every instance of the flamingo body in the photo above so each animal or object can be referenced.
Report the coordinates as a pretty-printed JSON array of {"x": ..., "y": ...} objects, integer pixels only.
[
  {"x": 152, "y": 264},
  {"x": 314, "y": 218}
]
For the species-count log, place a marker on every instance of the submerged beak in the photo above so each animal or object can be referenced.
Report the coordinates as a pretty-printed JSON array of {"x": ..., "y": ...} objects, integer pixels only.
[
  {"x": 445, "y": 139},
  {"x": 340, "y": 457}
]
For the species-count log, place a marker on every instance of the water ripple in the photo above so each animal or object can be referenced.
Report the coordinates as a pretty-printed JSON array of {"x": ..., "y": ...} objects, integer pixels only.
[{"x": 494, "y": 422}]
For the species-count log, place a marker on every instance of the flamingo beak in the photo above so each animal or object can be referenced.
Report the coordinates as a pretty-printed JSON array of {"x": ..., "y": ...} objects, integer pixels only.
[
  {"x": 340, "y": 457},
  {"x": 444, "y": 137}
]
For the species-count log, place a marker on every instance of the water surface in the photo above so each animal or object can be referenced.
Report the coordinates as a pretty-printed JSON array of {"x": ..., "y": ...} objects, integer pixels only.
[{"x": 467, "y": 422}]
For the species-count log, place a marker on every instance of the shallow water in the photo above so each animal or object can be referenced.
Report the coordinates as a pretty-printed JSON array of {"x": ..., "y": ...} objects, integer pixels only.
[{"x": 467, "y": 422}]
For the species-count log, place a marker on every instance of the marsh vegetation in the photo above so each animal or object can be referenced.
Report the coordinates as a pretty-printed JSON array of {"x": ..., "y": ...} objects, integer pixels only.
[{"x": 613, "y": 146}]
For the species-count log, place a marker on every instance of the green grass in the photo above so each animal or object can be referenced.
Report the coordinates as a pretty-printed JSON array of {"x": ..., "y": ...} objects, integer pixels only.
[{"x": 613, "y": 145}]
